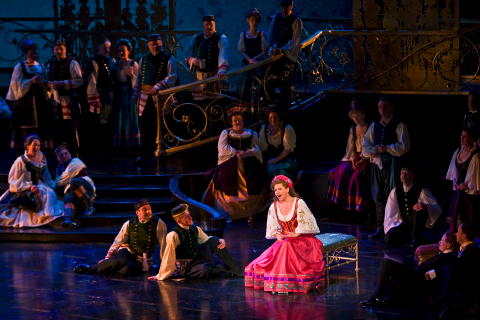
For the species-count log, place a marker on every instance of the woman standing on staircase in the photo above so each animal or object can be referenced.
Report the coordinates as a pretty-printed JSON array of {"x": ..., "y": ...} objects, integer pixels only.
[
  {"x": 30, "y": 200},
  {"x": 238, "y": 185},
  {"x": 296, "y": 253}
]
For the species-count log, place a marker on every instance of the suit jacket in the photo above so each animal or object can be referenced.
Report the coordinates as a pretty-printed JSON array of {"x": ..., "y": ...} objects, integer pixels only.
[
  {"x": 443, "y": 264},
  {"x": 466, "y": 277}
]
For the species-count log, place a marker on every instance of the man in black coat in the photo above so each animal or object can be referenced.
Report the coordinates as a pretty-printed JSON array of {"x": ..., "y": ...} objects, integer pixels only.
[{"x": 429, "y": 278}]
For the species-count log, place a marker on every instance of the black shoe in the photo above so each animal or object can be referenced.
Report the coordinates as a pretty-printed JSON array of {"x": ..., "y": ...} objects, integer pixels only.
[
  {"x": 372, "y": 301},
  {"x": 84, "y": 269},
  {"x": 377, "y": 234},
  {"x": 70, "y": 224}
]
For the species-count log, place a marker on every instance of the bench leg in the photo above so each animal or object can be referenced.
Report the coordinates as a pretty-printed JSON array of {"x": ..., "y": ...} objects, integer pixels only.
[{"x": 356, "y": 257}]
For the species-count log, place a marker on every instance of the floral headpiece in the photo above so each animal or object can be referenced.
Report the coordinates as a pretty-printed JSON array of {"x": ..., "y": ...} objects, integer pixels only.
[{"x": 284, "y": 178}]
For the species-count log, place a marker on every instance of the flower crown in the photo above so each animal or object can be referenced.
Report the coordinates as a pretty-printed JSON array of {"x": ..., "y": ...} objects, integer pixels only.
[{"x": 284, "y": 178}]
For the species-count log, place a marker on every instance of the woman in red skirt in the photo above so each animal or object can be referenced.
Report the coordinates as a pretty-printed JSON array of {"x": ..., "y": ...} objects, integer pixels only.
[{"x": 294, "y": 263}]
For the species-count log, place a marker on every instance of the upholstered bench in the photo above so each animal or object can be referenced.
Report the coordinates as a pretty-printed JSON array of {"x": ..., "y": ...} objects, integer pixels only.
[{"x": 339, "y": 249}]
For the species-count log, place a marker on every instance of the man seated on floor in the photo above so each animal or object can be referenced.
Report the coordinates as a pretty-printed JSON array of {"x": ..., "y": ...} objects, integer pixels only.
[
  {"x": 398, "y": 281},
  {"x": 131, "y": 252},
  {"x": 464, "y": 296},
  {"x": 190, "y": 253},
  {"x": 410, "y": 209},
  {"x": 77, "y": 188}
]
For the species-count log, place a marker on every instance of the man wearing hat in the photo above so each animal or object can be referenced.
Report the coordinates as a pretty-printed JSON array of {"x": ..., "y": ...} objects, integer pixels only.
[
  {"x": 158, "y": 71},
  {"x": 209, "y": 53},
  {"x": 189, "y": 252},
  {"x": 131, "y": 252},
  {"x": 284, "y": 37},
  {"x": 409, "y": 210},
  {"x": 64, "y": 77},
  {"x": 384, "y": 143}
]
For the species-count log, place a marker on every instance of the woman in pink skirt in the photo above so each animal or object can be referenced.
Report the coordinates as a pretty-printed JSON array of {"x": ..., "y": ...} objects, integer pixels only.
[{"x": 294, "y": 263}]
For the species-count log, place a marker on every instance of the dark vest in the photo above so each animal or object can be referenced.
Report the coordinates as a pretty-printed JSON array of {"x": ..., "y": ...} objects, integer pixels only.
[
  {"x": 154, "y": 68},
  {"x": 273, "y": 151},
  {"x": 208, "y": 50},
  {"x": 282, "y": 30},
  {"x": 385, "y": 134},
  {"x": 35, "y": 172},
  {"x": 106, "y": 68},
  {"x": 142, "y": 237},
  {"x": 59, "y": 70},
  {"x": 406, "y": 201},
  {"x": 253, "y": 46},
  {"x": 240, "y": 142},
  {"x": 463, "y": 167},
  {"x": 188, "y": 247}
]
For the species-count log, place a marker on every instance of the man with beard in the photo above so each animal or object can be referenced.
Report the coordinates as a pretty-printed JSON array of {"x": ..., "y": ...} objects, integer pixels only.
[
  {"x": 158, "y": 71},
  {"x": 64, "y": 76},
  {"x": 131, "y": 252}
]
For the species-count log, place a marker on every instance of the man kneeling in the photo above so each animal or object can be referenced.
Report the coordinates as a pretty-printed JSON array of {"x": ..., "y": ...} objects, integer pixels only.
[
  {"x": 131, "y": 252},
  {"x": 189, "y": 252}
]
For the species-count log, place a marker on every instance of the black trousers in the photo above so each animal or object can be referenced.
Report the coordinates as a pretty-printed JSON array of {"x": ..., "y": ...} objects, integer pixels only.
[
  {"x": 148, "y": 130},
  {"x": 205, "y": 265},
  {"x": 406, "y": 234},
  {"x": 121, "y": 264},
  {"x": 395, "y": 279}
]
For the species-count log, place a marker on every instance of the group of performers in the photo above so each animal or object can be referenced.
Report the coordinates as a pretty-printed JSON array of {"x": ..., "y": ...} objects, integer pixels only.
[
  {"x": 239, "y": 184},
  {"x": 377, "y": 167},
  {"x": 32, "y": 198},
  {"x": 188, "y": 252},
  {"x": 118, "y": 97}
]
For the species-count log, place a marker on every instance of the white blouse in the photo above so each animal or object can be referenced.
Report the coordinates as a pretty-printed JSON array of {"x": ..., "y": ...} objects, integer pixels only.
[
  {"x": 350, "y": 151},
  {"x": 20, "y": 179},
  {"x": 20, "y": 86},
  {"x": 473, "y": 174},
  {"x": 226, "y": 151},
  {"x": 306, "y": 221},
  {"x": 289, "y": 139}
]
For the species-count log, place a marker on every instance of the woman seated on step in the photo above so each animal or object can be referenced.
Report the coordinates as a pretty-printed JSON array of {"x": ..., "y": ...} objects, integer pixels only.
[
  {"x": 278, "y": 142},
  {"x": 296, "y": 253},
  {"x": 349, "y": 181},
  {"x": 238, "y": 186},
  {"x": 30, "y": 200}
]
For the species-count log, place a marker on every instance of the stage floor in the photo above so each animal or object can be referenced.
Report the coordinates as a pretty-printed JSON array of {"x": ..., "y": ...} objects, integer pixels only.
[{"x": 38, "y": 283}]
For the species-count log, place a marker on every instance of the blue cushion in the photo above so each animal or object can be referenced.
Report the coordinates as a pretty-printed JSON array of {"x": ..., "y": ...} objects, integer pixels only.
[{"x": 333, "y": 241}]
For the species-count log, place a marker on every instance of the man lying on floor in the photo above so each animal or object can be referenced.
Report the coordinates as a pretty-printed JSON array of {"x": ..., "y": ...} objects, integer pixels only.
[
  {"x": 190, "y": 253},
  {"x": 131, "y": 252}
]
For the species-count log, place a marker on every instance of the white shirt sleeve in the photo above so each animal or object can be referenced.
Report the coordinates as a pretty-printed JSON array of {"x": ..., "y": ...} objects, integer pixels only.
[
  {"x": 402, "y": 145},
  {"x": 225, "y": 150},
  {"x": 18, "y": 85},
  {"x": 171, "y": 78},
  {"x": 392, "y": 212},
  {"x": 18, "y": 177},
  {"x": 241, "y": 43},
  {"x": 120, "y": 240},
  {"x": 256, "y": 147},
  {"x": 473, "y": 176},
  {"x": 452, "y": 172},
  {"x": 75, "y": 74},
  {"x": 202, "y": 236},
  {"x": 161, "y": 236},
  {"x": 289, "y": 138},
  {"x": 224, "y": 53},
  {"x": 434, "y": 210},
  {"x": 292, "y": 48},
  {"x": 306, "y": 221},
  {"x": 273, "y": 227},
  {"x": 73, "y": 168},
  {"x": 262, "y": 139}
]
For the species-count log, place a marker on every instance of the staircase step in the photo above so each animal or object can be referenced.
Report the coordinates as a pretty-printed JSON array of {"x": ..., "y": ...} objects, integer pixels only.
[
  {"x": 114, "y": 218},
  {"x": 140, "y": 191},
  {"x": 131, "y": 179},
  {"x": 127, "y": 204}
]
